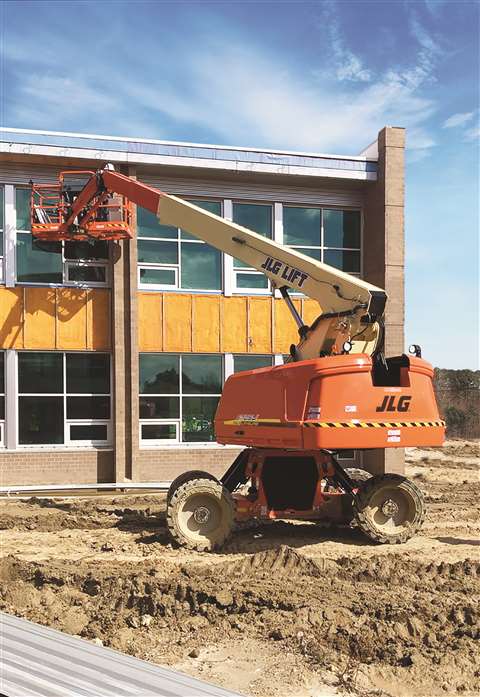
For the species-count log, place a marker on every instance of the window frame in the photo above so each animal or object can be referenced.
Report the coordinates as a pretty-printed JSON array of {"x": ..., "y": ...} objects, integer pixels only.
[
  {"x": 66, "y": 263},
  {"x": 177, "y": 268},
  {"x": 250, "y": 270},
  {"x": 68, "y": 442},
  {"x": 2, "y": 244},
  {"x": 321, "y": 247},
  {"x": 147, "y": 442},
  {"x": 3, "y": 394}
]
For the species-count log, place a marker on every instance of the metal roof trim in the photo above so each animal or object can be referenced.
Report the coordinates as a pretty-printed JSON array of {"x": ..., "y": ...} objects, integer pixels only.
[{"x": 39, "y": 661}]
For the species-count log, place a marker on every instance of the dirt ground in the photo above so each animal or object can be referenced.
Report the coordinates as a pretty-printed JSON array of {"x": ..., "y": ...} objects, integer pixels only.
[{"x": 286, "y": 610}]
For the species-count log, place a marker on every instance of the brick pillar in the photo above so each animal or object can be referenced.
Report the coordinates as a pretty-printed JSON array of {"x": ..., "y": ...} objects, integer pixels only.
[
  {"x": 384, "y": 260},
  {"x": 125, "y": 356}
]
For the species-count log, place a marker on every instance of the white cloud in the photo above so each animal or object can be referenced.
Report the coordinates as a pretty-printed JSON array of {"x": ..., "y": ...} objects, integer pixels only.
[
  {"x": 347, "y": 65},
  {"x": 236, "y": 91},
  {"x": 472, "y": 133},
  {"x": 458, "y": 119},
  {"x": 352, "y": 69}
]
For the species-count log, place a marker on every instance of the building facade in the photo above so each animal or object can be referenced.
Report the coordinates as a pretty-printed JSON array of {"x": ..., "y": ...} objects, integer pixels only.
[{"x": 113, "y": 354}]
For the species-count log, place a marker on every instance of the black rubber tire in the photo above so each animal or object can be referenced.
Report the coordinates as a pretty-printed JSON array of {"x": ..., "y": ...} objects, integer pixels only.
[
  {"x": 357, "y": 475},
  {"x": 185, "y": 477},
  {"x": 383, "y": 527},
  {"x": 204, "y": 495}
]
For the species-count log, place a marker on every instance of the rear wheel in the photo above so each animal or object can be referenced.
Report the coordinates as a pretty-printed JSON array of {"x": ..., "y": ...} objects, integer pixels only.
[
  {"x": 185, "y": 477},
  {"x": 200, "y": 514},
  {"x": 389, "y": 509},
  {"x": 358, "y": 477}
]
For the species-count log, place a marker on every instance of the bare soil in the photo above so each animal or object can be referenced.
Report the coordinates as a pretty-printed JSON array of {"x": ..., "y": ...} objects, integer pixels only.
[{"x": 286, "y": 610}]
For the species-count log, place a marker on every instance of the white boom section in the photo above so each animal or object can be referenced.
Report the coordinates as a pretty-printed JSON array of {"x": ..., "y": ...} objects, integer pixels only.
[{"x": 334, "y": 290}]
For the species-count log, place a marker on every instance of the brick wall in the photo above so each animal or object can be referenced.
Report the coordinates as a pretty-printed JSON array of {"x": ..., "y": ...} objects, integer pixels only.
[
  {"x": 56, "y": 467},
  {"x": 166, "y": 464}
]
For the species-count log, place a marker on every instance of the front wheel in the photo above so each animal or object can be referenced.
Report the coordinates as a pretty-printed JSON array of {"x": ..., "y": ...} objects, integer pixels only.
[
  {"x": 200, "y": 514},
  {"x": 389, "y": 509}
]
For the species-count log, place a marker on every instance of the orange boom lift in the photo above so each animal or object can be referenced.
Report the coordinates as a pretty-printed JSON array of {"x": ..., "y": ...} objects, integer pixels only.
[{"x": 337, "y": 391}]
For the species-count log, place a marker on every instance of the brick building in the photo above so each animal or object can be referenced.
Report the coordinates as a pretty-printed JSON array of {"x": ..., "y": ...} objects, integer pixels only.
[{"x": 113, "y": 355}]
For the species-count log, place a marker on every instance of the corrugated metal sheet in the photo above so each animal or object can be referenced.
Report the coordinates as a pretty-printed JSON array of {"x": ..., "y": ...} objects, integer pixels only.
[
  {"x": 40, "y": 662},
  {"x": 22, "y": 172},
  {"x": 333, "y": 195},
  {"x": 240, "y": 190}
]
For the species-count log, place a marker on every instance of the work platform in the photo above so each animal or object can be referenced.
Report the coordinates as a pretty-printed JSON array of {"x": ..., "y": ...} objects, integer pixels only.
[{"x": 36, "y": 661}]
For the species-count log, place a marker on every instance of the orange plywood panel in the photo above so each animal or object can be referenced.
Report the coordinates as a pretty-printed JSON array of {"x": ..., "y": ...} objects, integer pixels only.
[
  {"x": 260, "y": 325},
  {"x": 206, "y": 323},
  {"x": 234, "y": 325},
  {"x": 285, "y": 328},
  {"x": 99, "y": 320},
  {"x": 40, "y": 309},
  {"x": 311, "y": 310},
  {"x": 11, "y": 318},
  {"x": 150, "y": 330},
  {"x": 71, "y": 318},
  {"x": 177, "y": 322}
]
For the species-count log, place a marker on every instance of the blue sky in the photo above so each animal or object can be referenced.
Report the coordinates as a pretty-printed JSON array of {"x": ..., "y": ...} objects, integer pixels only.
[{"x": 317, "y": 76}]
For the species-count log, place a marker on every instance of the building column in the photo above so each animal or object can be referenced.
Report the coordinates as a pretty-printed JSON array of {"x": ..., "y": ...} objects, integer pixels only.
[
  {"x": 125, "y": 355},
  {"x": 384, "y": 260}
]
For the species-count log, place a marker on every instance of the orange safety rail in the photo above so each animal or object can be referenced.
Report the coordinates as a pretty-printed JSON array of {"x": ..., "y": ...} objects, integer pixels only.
[{"x": 74, "y": 209}]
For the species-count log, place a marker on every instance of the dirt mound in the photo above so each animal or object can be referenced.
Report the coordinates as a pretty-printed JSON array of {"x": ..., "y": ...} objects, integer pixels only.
[
  {"x": 286, "y": 609},
  {"x": 379, "y": 611}
]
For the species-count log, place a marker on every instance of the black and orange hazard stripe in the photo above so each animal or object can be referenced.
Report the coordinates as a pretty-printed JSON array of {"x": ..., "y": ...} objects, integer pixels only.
[
  {"x": 374, "y": 424},
  {"x": 335, "y": 424}
]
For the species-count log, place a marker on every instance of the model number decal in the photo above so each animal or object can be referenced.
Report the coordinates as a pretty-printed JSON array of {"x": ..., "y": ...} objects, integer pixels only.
[
  {"x": 390, "y": 403},
  {"x": 288, "y": 273}
]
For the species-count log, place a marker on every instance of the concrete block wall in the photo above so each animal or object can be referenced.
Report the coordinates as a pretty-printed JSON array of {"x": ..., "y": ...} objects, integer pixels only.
[{"x": 56, "y": 467}]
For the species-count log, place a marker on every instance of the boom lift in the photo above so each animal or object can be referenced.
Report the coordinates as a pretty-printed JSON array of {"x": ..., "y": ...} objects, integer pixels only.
[{"x": 336, "y": 392}]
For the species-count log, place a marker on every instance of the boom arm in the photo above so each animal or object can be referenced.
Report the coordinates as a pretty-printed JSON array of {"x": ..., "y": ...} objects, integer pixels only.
[{"x": 350, "y": 307}]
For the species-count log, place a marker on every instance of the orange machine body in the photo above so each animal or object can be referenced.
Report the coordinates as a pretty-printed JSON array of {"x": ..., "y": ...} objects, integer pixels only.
[{"x": 334, "y": 403}]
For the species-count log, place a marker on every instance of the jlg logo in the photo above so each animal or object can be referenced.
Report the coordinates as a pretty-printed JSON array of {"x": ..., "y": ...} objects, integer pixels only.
[{"x": 388, "y": 403}]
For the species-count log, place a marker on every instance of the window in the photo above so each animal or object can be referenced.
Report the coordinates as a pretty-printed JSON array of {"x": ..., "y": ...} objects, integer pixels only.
[
  {"x": 250, "y": 362},
  {"x": 178, "y": 397},
  {"x": 2, "y": 397},
  {"x": 63, "y": 398},
  {"x": 170, "y": 258},
  {"x": 256, "y": 217},
  {"x": 331, "y": 236},
  {"x": 67, "y": 263},
  {"x": 2, "y": 227}
]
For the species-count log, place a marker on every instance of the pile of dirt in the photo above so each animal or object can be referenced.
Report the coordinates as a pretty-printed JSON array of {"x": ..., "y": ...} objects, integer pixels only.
[{"x": 286, "y": 609}]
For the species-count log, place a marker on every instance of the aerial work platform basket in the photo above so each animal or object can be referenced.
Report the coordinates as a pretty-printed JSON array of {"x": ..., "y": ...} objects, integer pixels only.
[{"x": 105, "y": 215}]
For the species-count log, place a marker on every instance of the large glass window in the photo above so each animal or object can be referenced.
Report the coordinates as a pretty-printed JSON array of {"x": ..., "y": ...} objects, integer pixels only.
[
  {"x": 63, "y": 399},
  {"x": 67, "y": 263},
  {"x": 170, "y": 258},
  {"x": 256, "y": 217},
  {"x": 328, "y": 235},
  {"x": 2, "y": 397},
  {"x": 178, "y": 397},
  {"x": 2, "y": 223},
  {"x": 250, "y": 362}
]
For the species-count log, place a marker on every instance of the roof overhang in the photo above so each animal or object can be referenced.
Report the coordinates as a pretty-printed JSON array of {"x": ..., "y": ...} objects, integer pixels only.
[{"x": 53, "y": 144}]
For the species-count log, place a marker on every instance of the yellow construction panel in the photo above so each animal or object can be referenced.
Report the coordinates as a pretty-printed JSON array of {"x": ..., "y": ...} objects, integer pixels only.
[
  {"x": 98, "y": 319},
  {"x": 150, "y": 331},
  {"x": 234, "y": 325},
  {"x": 206, "y": 323},
  {"x": 260, "y": 325},
  {"x": 285, "y": 327},
  {"x": 71, "y": 318},
  {"x": 177, "y": 317},
  {"x": 311, "y": 310},
  {"x": 11, "y": 318},
  {"x": 40, "y": 307}
]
